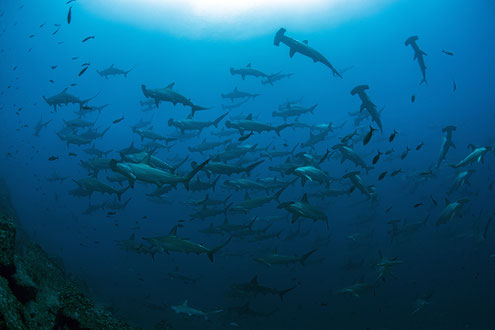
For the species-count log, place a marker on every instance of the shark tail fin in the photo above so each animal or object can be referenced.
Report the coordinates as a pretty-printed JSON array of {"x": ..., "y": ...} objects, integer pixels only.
[
  {"x": 214, "y": 183},
  {"x": 179, "y": 164},
  {"x": 303, "y": 258},
  {"x": 282, "y": 293},
  {"x": 120, "y": 192},
  {"x": 423, "y": 81},
  {"x": 252, "y": 167},
  {"x": 126, "y": 72},
  {"x": 191, "y": 174},
  {"x": 278, "y": 193},
  {"x": 227, "y": 208},
  {"x": 212, "y": 251},
  {"x": 219, "y": 119},
  {"x": 195, "y": 108},
  {"x": 227, "y": 198},
  {"x": 281, "y": 127}
]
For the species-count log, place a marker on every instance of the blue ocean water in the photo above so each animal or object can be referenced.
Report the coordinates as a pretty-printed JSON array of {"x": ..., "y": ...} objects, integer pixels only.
[{"x": 385, "y": 259}]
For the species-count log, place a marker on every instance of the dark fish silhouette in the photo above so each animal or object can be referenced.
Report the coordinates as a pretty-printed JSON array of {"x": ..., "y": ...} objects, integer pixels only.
[
  {"x": 118, "y": 120},
  {"x": 69, "y": 16},
  {"x": 368, "y": 136},
  {"x": 83, "y": 70},
  {"x": 392, "y": 136},
  {"x": 87, "y": 38},
  {"x": 377, "y": 157}
]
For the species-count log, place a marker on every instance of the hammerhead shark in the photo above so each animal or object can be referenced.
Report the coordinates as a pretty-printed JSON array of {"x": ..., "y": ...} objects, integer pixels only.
[{"x": 303, "y": 48}]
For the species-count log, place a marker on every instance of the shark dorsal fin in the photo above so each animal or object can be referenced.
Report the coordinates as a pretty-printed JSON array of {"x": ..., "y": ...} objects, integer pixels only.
[
  {"x": 173, "y": 231},
  {"x": 248, "y": 65},
  {"x": 304, "y": 199},
  {"x": 305, "y": 42},
  {"x": 246, "y": 196},
  {"x": 170, "y": 86},
  {"x": 249, "y": 117},
  {"x": 65, "y": 90},
  {"x": 254, "y": 280}
]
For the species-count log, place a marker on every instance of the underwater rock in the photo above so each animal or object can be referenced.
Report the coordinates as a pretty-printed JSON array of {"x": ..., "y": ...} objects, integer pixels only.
[
  {"x": 35, "y": 293},
  {"x": 7, "y": 242},
  {"x": 11, "y": 314}
]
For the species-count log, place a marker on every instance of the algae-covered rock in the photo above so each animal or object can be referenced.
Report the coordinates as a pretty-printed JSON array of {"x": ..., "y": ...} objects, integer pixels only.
[
  {"x": 7, "y": 241},
  {"x": 34, "y": 291},
  {"x": 11, "y": 310}
]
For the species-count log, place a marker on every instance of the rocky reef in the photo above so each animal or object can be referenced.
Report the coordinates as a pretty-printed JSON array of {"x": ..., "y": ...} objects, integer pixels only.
[{"x": 35, "y": 293}]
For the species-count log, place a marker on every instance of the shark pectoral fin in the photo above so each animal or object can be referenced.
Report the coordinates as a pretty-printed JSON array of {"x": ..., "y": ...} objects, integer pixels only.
[
  {"x": 309, "y": 178},
  {"x": 294, "y": 218},
  {"x": 292, "y": 52}
]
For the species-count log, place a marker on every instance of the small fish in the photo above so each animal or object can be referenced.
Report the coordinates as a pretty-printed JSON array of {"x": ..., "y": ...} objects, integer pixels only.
[
  {"x": 388, "y": 210},
  {"x": 42, "y": 25},
  {"x": 394, "y": 173},
  {"x": 419, "y": 146},
  {"x": 368, "y": 136},
  {"x": 51, "y": 81},
  {"x": 69, "y": 15},
  {"x": 85, "y": 64},
  {"x": 55, "y": 32},
  {"x": 31, "y": 36},
  {"x": 454, "y": 84},
  {"x": 53, "y": 67},
  {"x": 83, "y": 70},
  {"x": 392, "y": 136},
  {"x": 388, "y": 152},
  {"x": 418, "y": 205},
  {"x": 75, "y": 58},
  {"x": 72, "y": 154},
  {"x": 382, "y": 176},
  {"x": 69, "y": 1},
  {"x": 111, "y": 213},
  {"x": 52, "y": 158},
  {"x": 87, "y": 38},
  {"x": 447, "y": 53},
  {"x": 413, "y": 98},
  {"x": 245, "y": 137},
  {"x": 73, "y": 84},
  {"x": 433, "y": 201},
  {"x": 426, "y": 173},
  {"x": 118, "y": 120},
  {"x": 182, "y": 220},
  {"x": 404, "y": 154},
  {"x": 377, "y": 157}
]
